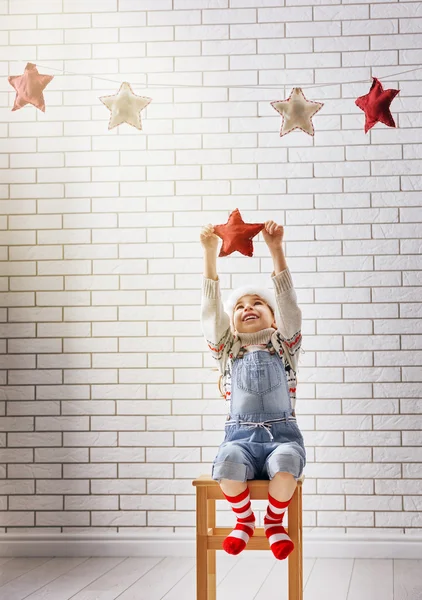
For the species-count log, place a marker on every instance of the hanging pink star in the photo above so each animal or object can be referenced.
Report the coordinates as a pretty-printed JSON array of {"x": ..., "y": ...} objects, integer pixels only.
[
  {"x": 376, "y": 105},
  {"x": 237, "y": 235},
  {"x": 29, "y": 87}
]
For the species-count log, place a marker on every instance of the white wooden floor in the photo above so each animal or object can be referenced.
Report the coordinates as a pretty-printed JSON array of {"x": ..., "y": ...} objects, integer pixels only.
[{"x": 172, "y": 578}]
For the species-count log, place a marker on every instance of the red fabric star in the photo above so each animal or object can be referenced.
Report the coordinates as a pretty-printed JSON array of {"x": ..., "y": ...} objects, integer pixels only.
[
  {"x": 237, "y": 235},
  {"x": 376, "y": 105},
  {"x": 29, "y": 87}
]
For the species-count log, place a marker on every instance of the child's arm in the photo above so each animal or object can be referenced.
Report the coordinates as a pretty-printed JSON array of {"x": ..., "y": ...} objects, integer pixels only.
[
  {"x": 290, "y": 315},
  {"x": 214, "y": 321},
  {"x": 289, "y": 323}
]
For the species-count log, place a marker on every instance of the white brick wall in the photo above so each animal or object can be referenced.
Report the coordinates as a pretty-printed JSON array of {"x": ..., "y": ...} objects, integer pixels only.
[{"x": 109, "y": 401}]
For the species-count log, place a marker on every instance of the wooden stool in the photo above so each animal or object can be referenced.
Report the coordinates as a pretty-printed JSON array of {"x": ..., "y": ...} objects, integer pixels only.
[{"x": 209, "y": 538}]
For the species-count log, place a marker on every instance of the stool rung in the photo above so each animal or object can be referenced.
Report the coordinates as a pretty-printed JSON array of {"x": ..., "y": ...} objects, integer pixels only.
[
  {"x": 255, "y": 543},
  {"x": 224, "y": 531},
  {"x": 217, "y": 535}
]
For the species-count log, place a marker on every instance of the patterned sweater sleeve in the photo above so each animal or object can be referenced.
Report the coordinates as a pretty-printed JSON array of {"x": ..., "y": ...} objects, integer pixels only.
[
  {"x": 215, "y": 322},
  {"x": 289, "y": 318}
]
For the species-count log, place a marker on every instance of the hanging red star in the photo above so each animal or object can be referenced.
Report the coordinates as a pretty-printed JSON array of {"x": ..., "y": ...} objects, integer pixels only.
[
  {"x": 376, "y": 105},
  {"x": 29, "y": 87},
  {"x": 237, "y": 235}
]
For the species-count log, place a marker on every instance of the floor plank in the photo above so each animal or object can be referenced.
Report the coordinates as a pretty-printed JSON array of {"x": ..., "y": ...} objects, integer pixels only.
[
  {"x": 4, "y": 559},
  {"x": 246, "y": 578},
  {"x": 159, "y": 580},
  {"x": 118, "y": 579},
  {"x": 336, "y": 571},
  {"x": 276, "y": 584},
  {"x": 19, "y": 566},
  {"x": 371, "y": 580},
  {"x": 75, "y": 580},
  {"x": 32, "y": 580},
  {"x": 407, "y": 579},
  {"x": 186, "y": 587}
]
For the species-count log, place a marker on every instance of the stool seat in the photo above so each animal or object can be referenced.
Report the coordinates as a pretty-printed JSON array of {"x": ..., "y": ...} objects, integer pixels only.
[{"x": 209, "y": 537}]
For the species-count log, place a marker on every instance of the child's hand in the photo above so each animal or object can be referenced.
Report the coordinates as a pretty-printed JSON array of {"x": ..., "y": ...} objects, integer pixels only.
[
  {"x": 273, "y": 234},
  {"x": 209, "y": 239}
]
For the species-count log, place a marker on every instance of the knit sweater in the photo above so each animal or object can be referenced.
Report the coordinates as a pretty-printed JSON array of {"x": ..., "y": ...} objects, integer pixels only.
[
  {"x": 224, "y": 345},
  {"x": 257, "y": 340}
]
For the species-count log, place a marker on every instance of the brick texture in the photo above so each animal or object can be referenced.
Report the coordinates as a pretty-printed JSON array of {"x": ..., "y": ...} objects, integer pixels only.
[{"x": 108, "y": 402}]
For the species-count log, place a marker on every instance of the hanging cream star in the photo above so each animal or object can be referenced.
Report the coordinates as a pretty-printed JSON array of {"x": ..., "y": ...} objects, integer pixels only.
[
  {"x": 297, "y": 112},
  {"x": 125, "y": 107}
]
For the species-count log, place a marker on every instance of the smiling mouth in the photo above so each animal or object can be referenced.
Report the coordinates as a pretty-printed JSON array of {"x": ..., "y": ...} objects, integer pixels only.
[{"x": 250, "y": 318}]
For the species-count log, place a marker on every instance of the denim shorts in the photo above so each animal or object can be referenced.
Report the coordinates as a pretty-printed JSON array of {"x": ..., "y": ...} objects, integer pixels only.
[{"x": 248, "y": 453}]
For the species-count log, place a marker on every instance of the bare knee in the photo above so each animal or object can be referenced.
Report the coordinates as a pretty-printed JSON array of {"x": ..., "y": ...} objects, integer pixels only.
[
  {"x": 230, "y": 487},
  {"x": 284, "y": 480},
  {"x": 282, "y": 486},
  {"x": 286, "y": 476}
]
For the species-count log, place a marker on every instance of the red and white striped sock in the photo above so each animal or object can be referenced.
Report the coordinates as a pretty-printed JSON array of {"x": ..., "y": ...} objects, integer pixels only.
[
  {"x": 236, "y": 541},
  {"x": 280, "y": 543}
]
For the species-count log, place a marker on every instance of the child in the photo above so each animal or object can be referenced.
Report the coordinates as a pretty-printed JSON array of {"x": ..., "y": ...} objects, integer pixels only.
[{"x": 258, "y": 363}]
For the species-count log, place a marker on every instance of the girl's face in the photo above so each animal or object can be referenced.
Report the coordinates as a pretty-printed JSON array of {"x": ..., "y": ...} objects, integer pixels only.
[{"x": 251, "y": 314}]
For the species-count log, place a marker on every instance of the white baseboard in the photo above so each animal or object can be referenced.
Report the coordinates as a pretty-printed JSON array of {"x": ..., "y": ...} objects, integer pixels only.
[{"x": 314, "y": 545}]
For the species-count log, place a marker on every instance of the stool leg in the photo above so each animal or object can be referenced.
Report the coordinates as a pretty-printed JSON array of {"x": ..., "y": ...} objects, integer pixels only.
[
  {"x": 201, "y": 544},
  {"x": 212, "y": 572},
  {"x": 294, "y": 557}
]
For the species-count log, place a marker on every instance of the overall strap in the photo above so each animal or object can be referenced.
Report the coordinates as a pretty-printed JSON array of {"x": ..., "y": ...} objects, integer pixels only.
[{"x": 269, "y": 346}]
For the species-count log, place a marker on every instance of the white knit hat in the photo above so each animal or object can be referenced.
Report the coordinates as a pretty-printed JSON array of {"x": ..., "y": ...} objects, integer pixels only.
[{"x": 267, "y": 295}]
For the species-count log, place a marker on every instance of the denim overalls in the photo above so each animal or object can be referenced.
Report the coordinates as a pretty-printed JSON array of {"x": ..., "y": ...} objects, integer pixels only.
[{"x": 261, "y": 433}]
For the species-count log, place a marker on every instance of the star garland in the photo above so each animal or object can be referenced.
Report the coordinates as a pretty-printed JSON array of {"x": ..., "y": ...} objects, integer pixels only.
[{"x": 125, "y": 106}]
